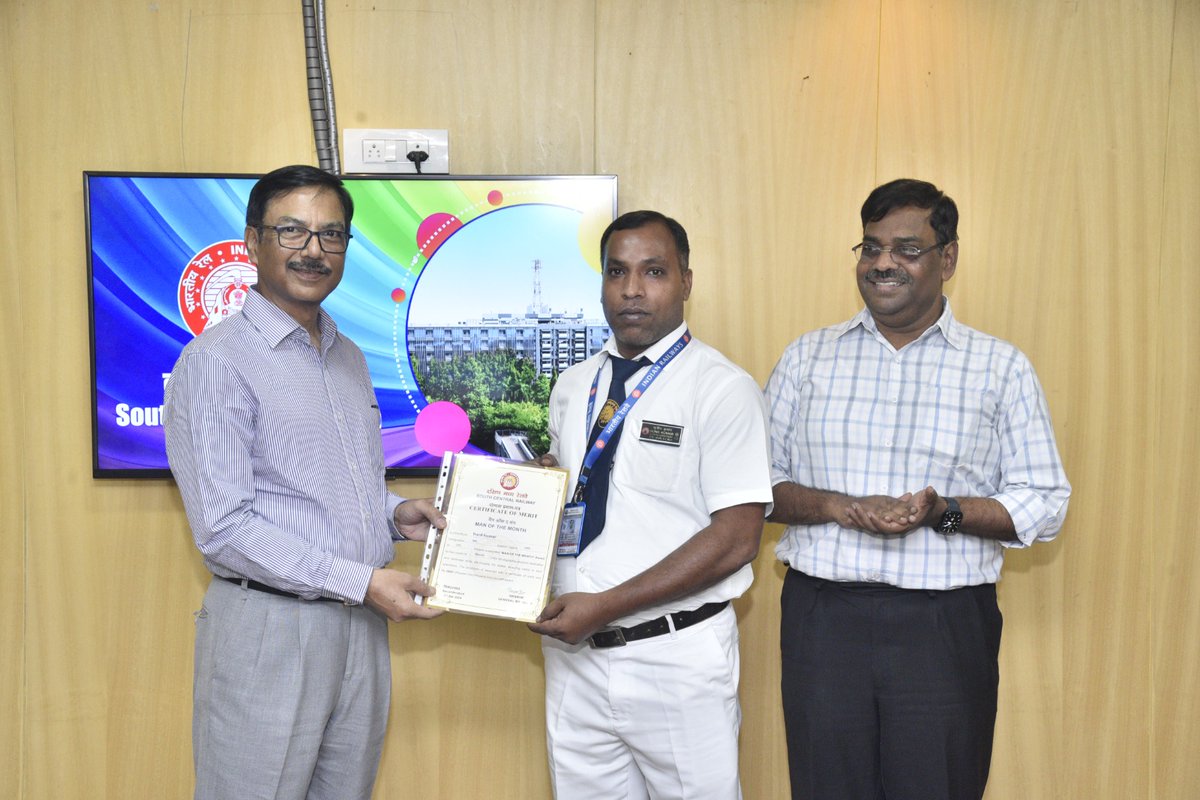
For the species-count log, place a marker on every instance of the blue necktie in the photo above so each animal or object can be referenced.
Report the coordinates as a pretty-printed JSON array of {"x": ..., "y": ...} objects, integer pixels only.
[{"x": 596, "y": 493}]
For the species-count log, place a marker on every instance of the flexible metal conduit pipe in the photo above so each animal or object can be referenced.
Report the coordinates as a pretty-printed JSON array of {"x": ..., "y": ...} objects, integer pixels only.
[{"x": 320, "y": 86}]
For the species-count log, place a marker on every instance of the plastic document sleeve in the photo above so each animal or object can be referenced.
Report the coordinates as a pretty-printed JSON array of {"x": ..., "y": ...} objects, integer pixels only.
[{"x": 495, "y": 557}]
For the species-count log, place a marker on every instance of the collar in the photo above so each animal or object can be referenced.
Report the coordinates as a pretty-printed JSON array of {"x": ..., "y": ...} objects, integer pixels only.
[
  {"x": 951, "y": 329},
  {"x": 275, "y": 324},
  {"x": 654, "y": 351}
]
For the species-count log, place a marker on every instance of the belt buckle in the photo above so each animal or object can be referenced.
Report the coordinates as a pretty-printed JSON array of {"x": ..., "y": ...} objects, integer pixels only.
[{"x": 618, "y": 638}]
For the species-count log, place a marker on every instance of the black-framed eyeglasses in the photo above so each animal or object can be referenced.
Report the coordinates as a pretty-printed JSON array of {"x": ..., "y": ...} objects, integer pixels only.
[
  {"x": 294, "y": 237},
  {"x": 869, "y": 253}
]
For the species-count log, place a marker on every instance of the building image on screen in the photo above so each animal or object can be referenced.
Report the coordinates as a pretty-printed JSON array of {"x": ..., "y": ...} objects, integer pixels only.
[{"x": 535, "y": 311}]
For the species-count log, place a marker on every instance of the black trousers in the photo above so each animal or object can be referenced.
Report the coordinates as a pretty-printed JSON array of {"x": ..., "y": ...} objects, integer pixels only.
[{"x": 888, "y": 694}]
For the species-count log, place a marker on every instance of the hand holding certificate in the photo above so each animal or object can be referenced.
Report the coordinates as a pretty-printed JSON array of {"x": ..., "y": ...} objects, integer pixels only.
[{"x": 496, "y": 554}]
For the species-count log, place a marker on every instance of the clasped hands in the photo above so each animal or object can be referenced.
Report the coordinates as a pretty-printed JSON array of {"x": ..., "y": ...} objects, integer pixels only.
[{"x": 888, "y": 516}]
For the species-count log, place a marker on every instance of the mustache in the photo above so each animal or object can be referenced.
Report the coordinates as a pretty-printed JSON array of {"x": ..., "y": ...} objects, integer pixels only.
[
  {"x": 307, "y": 264},
  {"x": 888, "y": 275}
]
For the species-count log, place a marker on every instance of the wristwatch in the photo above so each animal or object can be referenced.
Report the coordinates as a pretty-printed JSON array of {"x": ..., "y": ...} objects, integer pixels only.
[{"x": 951, "y": 519}]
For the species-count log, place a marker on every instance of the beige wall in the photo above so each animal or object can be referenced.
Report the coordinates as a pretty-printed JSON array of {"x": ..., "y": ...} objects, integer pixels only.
[
  {"x": 1067, "y": 131},
  {"x": 12, "y": 450}
]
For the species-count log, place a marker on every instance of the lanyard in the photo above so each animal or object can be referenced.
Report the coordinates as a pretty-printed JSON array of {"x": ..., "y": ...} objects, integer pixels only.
[{"x": 619, "y": 416}]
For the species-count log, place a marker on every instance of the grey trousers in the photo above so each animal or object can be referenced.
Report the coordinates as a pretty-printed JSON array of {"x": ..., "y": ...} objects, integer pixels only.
[{"x": 290, "y": 700}]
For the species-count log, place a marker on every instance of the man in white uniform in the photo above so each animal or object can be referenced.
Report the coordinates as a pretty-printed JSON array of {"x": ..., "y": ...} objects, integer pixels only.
[{"x": 641, "y": 644}]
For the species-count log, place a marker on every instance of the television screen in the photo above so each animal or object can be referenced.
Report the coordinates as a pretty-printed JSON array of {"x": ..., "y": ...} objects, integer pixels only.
[{"x": 467, "y": 295}]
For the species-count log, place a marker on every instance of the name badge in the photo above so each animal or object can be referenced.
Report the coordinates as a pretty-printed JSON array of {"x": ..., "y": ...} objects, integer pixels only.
[
  {"x": 571, "y": 530},
  {"x": 661, "y": 433}
]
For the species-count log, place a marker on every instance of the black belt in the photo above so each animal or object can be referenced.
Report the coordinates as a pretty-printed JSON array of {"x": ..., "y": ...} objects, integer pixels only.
[
  {"x": 617, "y": 637},
  {"x": 262, "y": 587}
]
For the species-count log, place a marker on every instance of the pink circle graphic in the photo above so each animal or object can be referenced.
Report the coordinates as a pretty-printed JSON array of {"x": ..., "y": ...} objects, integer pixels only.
[
  {"x": 434, "y": 230},
  {"x": 442, "y": 427},
  {"x": 495, "y": 197},
  {"x": 398, "y": 295}
]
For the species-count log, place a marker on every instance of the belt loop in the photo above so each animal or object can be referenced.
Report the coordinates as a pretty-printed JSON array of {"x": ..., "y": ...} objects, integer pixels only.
[{"x": 671, "y": 624}]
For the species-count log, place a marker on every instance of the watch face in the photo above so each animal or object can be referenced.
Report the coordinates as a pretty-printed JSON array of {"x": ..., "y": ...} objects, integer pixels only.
[{"x": 951, "y": 520}]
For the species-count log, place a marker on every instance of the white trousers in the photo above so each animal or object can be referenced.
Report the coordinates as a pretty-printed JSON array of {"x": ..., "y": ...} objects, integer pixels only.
[{"x": 658, "y": 718}]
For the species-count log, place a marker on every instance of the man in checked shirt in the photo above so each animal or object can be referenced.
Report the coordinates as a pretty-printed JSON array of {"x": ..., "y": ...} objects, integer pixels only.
[
  {"x": 272, "y": 432},
  {"x": 908, "y": 452}
]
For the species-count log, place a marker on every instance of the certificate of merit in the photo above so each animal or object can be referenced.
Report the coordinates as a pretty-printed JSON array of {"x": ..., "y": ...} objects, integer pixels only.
[{"x": 496, "y": 554}]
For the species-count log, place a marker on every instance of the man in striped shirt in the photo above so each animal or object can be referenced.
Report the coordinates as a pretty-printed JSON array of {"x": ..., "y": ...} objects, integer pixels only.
[
  {"x": 272, "y": 432},
  {"x": 908, "y": 452}
]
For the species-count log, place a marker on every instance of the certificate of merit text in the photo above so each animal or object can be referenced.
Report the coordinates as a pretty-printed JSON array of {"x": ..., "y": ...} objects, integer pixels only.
[{"x": 496, "y": 553}]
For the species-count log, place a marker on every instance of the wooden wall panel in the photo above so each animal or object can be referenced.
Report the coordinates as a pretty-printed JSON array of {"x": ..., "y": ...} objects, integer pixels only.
[
  {"x": 1123, "y": 72},
  {"x": 1173, "y": 551},
  {"x": 736, "y": 125},
  {"x": 513, "y": 81},
  {"x": 12, "y": 445},
  {"x": 1066, "y": 131},
  {"x": 151, "y": 582},
  {"x": 244, "y": 89}
]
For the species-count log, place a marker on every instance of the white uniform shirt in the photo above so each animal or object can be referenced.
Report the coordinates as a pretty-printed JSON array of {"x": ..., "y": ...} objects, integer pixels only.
[{"x": 661, "y": 495}]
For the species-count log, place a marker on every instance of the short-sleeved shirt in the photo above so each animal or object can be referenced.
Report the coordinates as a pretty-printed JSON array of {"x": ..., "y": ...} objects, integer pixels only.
[{"x": 661, "y": 494}]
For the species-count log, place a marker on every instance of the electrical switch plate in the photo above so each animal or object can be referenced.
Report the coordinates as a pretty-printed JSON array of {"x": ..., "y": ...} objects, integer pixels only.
[{"x": 385, "y": 150}]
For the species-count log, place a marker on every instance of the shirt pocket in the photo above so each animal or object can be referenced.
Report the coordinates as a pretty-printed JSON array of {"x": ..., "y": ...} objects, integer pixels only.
[
  {"x": 365, "y": 424},
  {"x": 957, "y": 437},
  {"x": 649, "y": 466}
]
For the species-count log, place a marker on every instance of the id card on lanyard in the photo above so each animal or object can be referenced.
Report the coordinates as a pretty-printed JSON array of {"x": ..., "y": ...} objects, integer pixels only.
[{"x": 571, "y": 531}]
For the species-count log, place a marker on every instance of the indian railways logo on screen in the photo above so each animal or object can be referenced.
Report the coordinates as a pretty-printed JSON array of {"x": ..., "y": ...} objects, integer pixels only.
[
  {"x": 214, "y": 284},
  {"x": 509, "y": 481}
]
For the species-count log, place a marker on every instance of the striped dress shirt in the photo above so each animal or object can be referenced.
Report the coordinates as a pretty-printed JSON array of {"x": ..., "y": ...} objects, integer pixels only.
[
  {"x": 956, "y": 409},
  {"x": 276, "y": 450}
]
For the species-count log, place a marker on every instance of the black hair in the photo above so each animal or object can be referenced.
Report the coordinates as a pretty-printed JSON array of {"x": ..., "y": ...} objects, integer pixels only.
[
  {"x": 285, "y": 179},
  {"x": 632, "y": 220},
  {"x": 907, "y": 192}
]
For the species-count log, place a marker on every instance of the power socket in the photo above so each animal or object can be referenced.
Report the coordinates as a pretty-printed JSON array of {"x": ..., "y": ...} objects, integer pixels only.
[
  {"x": 385, "y": 150},
  {"x": 373, "y": 151}
]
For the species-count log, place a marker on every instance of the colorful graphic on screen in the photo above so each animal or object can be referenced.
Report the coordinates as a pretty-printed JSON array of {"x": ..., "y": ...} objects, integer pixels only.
[{"x": 467, "y": 295}]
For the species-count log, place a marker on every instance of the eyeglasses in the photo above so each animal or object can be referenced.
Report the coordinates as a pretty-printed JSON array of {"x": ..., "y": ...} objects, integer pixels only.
[
  {"x": 868, "y": 253},
  {"x": 293, "y": 237}
]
